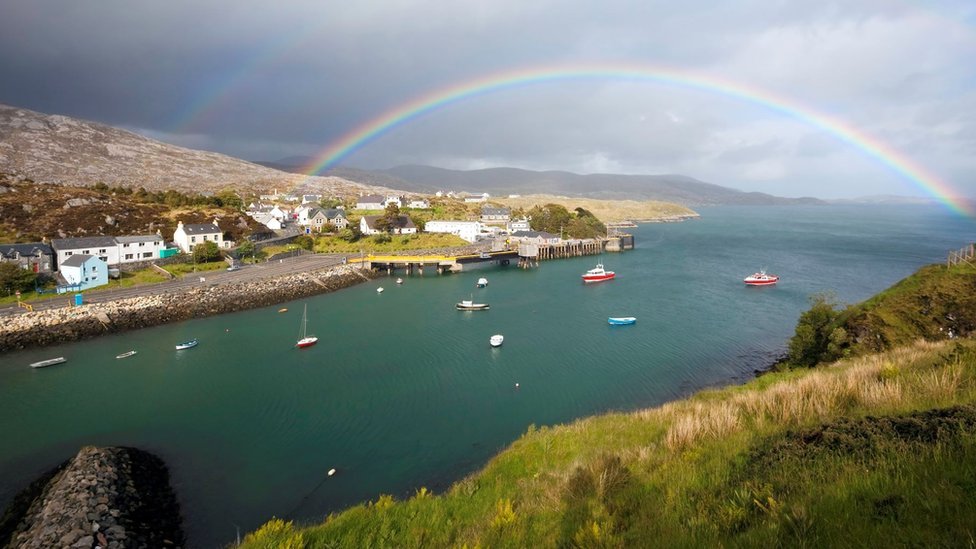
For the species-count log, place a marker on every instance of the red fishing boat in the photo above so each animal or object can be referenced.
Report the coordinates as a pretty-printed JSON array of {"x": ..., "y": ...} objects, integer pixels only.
[
  {"x": 598, "y": 274},
  {"x": 761, "y": 279}
]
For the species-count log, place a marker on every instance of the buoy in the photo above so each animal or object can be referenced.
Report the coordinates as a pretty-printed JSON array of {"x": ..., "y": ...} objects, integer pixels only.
[
  {"x": 516, "y": 385},
  {"x": 331, "y": 472}
]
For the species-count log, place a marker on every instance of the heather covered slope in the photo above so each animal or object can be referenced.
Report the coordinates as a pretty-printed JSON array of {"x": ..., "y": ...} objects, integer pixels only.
[{"x": 875, "y": 450}]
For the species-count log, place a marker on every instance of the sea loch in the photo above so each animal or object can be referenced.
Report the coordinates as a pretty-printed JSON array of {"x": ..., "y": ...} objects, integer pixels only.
[{"x": 404, "y": 391}]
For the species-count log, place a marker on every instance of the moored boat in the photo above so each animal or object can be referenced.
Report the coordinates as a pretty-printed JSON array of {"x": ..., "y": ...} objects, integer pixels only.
[
  {"x": 186, "y": 345},
  {"x": 305, "y": 340},
  {"x": 598, "y": 274},
  {"x": 48, "y": 362},
  {"x": 761, "y": 279},
  {"x": 496, "y": 340},
  {"x": 469, "y": 305},
  {"x": 379, "y": 290},
  {"x": 621, "y": 320},
  {"x": 126, "y": 354},
  {"x": 482, "y": 282},
  {"x": 399, "y": 281}
]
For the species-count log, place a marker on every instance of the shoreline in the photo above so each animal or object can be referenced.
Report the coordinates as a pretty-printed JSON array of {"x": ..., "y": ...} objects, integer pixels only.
[{"x": 62, "y": 325}]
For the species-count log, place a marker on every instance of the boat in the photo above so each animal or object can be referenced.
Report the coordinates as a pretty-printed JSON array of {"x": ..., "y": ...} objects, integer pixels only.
[
  {"x": 187, "y": 345},
  {"x": 379, "y": 290},
  {"x": 482, "y": 282},
  {"x": 48, "y": 362},
  {"x": 469, "y": 305},
  {"x": 497, "y": 340},
  {"x": 399, "y": 281},
  {"x": 761, "y": 279},
  {"x": 126, "y": 354},
  {"x": 621, "y": 320},
  {"x": 305, "y": 340},
  {"x": 283, "y": 310},
  {"x": 598, "y": 274}
]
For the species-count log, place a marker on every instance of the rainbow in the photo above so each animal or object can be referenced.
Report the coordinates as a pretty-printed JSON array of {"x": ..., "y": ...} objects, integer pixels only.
[{"x": 867, "y": 144}]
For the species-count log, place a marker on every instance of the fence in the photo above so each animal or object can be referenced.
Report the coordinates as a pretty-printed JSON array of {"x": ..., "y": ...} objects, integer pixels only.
[{"x": 963, "y": 254}]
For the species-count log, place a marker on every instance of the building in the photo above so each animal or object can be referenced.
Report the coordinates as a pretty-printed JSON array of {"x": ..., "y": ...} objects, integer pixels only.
[
  {"x": 311, "y": 198},
  {"x": 367, "y": 225},
  {"x": 81, "y": 272},
  {"x": 103, "y": 247},
  {"x": 519, "y": 225},
  {"x": 140, "y": 247},
  {"x": 535, "y": 237},
  {"x": 371, "y": 202},
  {"x": 279, "y": 213},
  {"x": 35, "y": 256},
  {"x": 468, "y": 230},
  {"x": 491, "y": 214},
  {"x": 419, "y": 203},
  {"x": 472, "y": 198},
  {"x": 318, "y": 218},
  {"x": 269, "y": 221},
  {"x": 188, "y": 236}
]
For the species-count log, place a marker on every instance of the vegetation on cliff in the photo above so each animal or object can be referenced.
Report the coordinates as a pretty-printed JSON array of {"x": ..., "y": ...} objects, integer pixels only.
[{"x": 873, "y": 450}]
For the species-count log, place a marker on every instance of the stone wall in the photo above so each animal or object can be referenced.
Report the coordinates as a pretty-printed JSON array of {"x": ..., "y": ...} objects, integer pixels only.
[
  {"x": 69, "y": 324},
  {"x": 103, "y": 497}
]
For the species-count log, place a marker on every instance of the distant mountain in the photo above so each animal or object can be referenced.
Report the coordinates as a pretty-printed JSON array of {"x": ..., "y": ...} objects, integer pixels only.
[
  {"x": 69, "y": 151},
  {"x": 504, "y": 181},
  {"x": 885, "y": 199}
]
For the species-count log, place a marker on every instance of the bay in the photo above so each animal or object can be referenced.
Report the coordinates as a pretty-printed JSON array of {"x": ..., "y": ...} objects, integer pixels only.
[{"x": 403, "y": 391}]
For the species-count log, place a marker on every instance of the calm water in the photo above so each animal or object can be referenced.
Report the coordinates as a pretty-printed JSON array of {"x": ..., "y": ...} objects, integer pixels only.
[{"x": 403, "y": 391}]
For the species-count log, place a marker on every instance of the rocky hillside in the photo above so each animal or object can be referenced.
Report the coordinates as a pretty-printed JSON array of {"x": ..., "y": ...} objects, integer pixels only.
[{"x": 68, "y": 151}]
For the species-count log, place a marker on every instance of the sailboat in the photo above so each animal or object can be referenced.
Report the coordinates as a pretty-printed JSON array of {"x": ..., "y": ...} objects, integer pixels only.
[{"x": 306, "y": 340}]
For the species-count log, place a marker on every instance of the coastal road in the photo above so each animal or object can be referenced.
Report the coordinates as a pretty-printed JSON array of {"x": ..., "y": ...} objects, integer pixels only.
[{"x": 247, "y": 273}]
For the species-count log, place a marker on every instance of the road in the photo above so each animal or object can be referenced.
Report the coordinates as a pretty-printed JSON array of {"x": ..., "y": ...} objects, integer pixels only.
[{"x": 247, "y": 273}]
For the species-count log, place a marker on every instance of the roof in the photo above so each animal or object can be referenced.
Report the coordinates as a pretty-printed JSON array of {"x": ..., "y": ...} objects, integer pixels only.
[
  {"x": 371, "y": 198},
  {"x": 403, "y": 221},
  {"x": 201, "y": 228},
  {"x": 82, "y": 242},
  {"x": 533, "y": 234},
  {"x": 488, "y": 210},
  {"x": 139, "y": 238},
  {"x": 29, "y": 249},
  {"x": 77, "y": 260}
]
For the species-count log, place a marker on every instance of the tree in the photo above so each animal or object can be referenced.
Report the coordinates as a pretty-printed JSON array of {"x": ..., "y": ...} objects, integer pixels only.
[
  {"x": 350, "y": 233},
  {"x": 247, "y": 248},
  {"x": 817, "y": 338},
  {"x": 390, "y": 220},
  {"x": 14, "y": 278},
  {"x": 329, "y": 203},
  {"x": 304, "y": 242},
  {"x": 206, "y": 251}
]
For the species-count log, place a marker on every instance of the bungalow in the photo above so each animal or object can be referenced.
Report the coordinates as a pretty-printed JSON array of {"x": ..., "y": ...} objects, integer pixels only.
[
  {"x": 269, "y": 221},
  {"x": 535, "y": 237},
  {"x": 188, "y": 236},
  {"x": 367, "y": 225},
  {"x": 491, "y": 214},
  {"x": 103, "y": 247},
  {"x": 468, "y": 230},
  {"x": 36, "y": 256},
  {"x": 419, "y": 203},
  {"x": 319, "y": 218},
  {"x": 371, "y": 202},
  {"x": 311, "y": 198},
  {"x": 140, "y": 247},
  {"x": 279, "y": 213},
  {"x": 82, "y": 272},
  {"x": 475, "y": 198},
  {"x": 516, "y": 225}
]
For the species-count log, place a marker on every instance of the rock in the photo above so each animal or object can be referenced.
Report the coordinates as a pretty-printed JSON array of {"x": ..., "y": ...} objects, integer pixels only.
[
  {"x": 28, "y": 208},
  {"x": 75, "y": 202},
  {"x": 109, "y": 220},
  {"x": 86, "y": 541}
]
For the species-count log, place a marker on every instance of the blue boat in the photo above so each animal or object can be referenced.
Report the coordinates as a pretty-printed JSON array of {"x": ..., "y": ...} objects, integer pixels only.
[{"x": 621, "y": 320}]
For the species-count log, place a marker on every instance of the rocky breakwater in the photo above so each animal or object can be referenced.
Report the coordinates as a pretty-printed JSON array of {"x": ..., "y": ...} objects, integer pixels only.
[
  {"x": 68, "y": 324},
  {"x": 103, "y": 497}
]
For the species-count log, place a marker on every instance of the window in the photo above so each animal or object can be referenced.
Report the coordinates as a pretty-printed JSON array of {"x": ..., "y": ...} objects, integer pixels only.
[
  {"x": 146, "y": 254},
  {"x": 193, "y": 239},
  {"x": 128, "y": 257},
  {"x": 101, "y": 251},
  {"x": 66, "y": 254},
  {"x": 87, "y": 252},
  {"x": 126, "y": 245},
  {"x": 141, "y": 244}
]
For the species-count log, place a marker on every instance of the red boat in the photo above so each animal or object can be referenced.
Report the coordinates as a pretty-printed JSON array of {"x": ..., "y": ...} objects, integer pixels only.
[
  {"x": 598, "y": 274},
  {"x": 761, "y": 279}
]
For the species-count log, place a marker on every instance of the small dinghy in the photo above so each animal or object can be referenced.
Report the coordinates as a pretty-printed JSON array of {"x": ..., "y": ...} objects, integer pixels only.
[
  {"x": 126, "y": 354},
  {"x": 48, "y": 362},
  {"x": 379, "y": 290},
  {"x": 482, "y": 282},
  {"x": 468, "y": 305},
  {"x": 186, "y": 345},
  {"x": 399, "y": 281},
  {"x": 497, "y": 340},
  {"x": 621, "y": 320}
]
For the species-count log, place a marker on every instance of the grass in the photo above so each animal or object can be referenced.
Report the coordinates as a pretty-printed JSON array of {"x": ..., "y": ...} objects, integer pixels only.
[
  {"x": 872, "y": 451},
  {"x": 181, "y": 269},
  {"x": 397, "y": 243}
]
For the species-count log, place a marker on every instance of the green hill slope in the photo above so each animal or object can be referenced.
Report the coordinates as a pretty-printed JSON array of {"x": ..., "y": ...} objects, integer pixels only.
[{"x": 870, "y": 451}]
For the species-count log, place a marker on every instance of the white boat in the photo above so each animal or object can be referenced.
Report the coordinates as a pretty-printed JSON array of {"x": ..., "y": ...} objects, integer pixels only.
[
  {"x": 761, "y": 279},
  {"x": 482, "y": 282},
  {"x": 399, "y": 281},
  {"x": 186, "y": 345},
  {"x": 305, "y": 340},
  {"x": 469, "y": 305},
  {"x": 621, "y": 320},
  {"x": 126, "y": 354},
  {"x": 48, "y": 362},
  {"x": 598, "y": 274},
  {"x": 379, "y": 290},
  {"x": 497, "y": 340}
]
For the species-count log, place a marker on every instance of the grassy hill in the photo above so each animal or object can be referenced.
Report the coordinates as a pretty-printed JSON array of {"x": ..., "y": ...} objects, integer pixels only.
[{"x": 875, "y": 450}]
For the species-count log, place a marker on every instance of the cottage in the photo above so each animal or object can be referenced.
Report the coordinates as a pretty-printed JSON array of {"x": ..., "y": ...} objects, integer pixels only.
[
  {"x": 491, "y": 214},
  {"x": 516, "y": 225},
  {"x": 81, "y": 272},
  {"x": 419, "y": 203},
  {"x": 188, "y": 236},
  {"x": 371, "y": 202},
  {"x": 140, "y": 247},
  {"x": 367, "y": 225},
  {"x": 535, "y": 237},
  {"x": 269, "y": 221},
  {"x": 468, "y": 230},
  {"x": 474, "y": 198},
  {"x": 311, "y": 198},
  {"x": 103, "y": 247},
  {"x": 36, "y": 256},
  {"x": 279, "y": 213}
]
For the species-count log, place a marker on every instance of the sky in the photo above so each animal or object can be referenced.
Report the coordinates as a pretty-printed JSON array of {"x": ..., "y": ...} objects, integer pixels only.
[{"x": 268, "y": 80}]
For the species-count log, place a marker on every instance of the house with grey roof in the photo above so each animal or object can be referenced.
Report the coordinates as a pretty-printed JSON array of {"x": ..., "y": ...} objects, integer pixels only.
[
  {"x": 34, "y": 256},
  {"x": 103, "y": 247},
  {"x": 81, "y": 272},
  {"x": 189, "y": 235},
  {"x": 319, "y": 218},
  {"x": 490, "y": 214},
  {"x": 371, "y": 202},
  {"x": 367, "y": 225},
  {"x": 140, "y": 247},
  {"x": 535, "y": 237}
]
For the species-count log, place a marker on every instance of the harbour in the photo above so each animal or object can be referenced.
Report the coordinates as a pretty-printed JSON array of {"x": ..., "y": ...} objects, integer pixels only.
[{"x": 404, "y": 391}]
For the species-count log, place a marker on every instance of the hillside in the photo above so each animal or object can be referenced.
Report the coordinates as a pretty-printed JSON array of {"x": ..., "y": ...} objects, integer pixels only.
[
  {"x": 68, "y": 151},
  {"x": 871, "y": 451}
]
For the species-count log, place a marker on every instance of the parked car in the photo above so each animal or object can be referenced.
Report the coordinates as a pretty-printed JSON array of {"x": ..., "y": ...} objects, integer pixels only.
[{"x": 233, "y": 268}]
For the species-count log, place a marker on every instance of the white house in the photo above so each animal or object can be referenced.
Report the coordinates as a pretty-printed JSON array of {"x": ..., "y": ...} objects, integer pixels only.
[
  {"x": 419, "y": 203},
  {"x": 188, "y": 236},
  {"x": 371, "y": 202},
  {"x": 139, "y": 247},
  {"x": 393, "y": 199},
  {"x": 519, "y": 225},
  {"x": 269, "y": 221},
  {"x": 367, "y": 225},
  {"x": 311, "y": 198},
  {"x": 82, "y": 272},
  {"x": 279, "y": 213},
  {"x": 491, "y": 214},
  {"x": 468, "y": 230},
  {"x": 103, "y": 247},
  {"x": 475, "y": 198}
]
